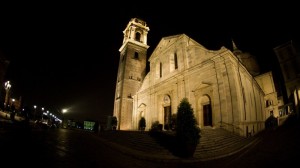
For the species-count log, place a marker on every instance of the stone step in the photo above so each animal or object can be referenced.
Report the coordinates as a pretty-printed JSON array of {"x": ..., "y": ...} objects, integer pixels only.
[
  {"x": 141, "y": 141},
  {"x": 213, "y": 142}
]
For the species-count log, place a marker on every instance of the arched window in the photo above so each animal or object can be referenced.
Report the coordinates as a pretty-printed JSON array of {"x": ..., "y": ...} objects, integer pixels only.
[
  {"x": 269, "y": 103},
  {"x": 123, "y": 57},
  {"x": 175, "y": 61},
  {"x": 138, "y": 36},
  {"x": 136, "y": 55},
  {"x": 157, "y": 70},
  {"x": 160, "y": 69}
]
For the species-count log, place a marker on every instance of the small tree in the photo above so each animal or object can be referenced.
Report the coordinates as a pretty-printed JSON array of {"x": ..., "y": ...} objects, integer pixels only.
[
  {"x": 187, "y": 130},
  {"x": 114, "y": 122},
  {"x": 142, "y": 124}
]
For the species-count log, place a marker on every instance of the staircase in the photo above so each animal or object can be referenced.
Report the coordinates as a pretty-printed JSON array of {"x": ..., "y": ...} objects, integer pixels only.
[
  {"x": 214, "y": 143},
  {"x": 135, "y": 140},
  {"x": 217, "y": 143}
]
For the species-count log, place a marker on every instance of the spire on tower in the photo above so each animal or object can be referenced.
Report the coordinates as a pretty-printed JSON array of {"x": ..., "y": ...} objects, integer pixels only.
[{"x": 234, "y": 47}]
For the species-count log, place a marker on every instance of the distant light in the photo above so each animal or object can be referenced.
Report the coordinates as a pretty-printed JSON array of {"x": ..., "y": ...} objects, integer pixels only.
[
  {"x": 64, "y": 110},
  {"x": 7, "y": 85}
]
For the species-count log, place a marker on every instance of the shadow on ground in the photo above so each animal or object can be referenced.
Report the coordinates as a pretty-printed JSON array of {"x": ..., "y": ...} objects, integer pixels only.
[{"x": 168, "y": 140}]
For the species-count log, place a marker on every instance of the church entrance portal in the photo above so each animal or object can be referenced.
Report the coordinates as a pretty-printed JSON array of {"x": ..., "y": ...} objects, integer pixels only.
[
  {"x": 207, "y": 115},
  {"x": 167, "y": 117}
]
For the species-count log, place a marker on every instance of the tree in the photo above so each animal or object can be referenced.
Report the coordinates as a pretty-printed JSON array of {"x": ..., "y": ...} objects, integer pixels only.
[
  {"x": 142, "y": 124},
  {"x": 187, "y": 130}
]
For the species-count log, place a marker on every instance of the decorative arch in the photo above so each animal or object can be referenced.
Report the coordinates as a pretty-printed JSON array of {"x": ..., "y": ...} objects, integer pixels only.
[{"x": 141, "y": 110}]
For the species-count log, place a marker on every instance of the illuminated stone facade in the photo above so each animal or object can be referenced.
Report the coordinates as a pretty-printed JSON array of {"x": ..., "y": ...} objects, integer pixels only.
[
  {"x": 220, "y": 89},
  {"x": 3, "y": 68},
  {"x": 272, "y": 102},
  {"x": 131, "y": 72},
  {"x": 288, "y": 55}
]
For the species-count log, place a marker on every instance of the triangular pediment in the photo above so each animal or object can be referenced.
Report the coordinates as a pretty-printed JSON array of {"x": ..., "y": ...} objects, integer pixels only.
[
  {"x": 202, "y": 86},
  {"x": 165, "y": 42}
]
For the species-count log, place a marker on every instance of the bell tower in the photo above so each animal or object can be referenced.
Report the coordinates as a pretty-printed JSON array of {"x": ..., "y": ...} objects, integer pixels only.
[{"x": 131, "y": 71}]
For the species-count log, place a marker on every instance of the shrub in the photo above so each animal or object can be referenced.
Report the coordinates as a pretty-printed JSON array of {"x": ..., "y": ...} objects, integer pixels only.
[
  {"x": 187, "y": 130},
  {"x": 156, "y": 126}
]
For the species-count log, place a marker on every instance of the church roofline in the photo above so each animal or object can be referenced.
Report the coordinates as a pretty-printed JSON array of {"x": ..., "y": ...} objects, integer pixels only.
[{"x": 189, "y": 41}]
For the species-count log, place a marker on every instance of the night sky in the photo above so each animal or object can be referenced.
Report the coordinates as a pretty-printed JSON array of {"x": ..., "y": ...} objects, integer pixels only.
[{"x": 66, "y": 55}]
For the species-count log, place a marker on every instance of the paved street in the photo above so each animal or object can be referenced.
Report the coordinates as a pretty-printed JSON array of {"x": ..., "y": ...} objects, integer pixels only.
[
  {"x": 62, "y": 148},
  {"x": 20, "y": 146}
]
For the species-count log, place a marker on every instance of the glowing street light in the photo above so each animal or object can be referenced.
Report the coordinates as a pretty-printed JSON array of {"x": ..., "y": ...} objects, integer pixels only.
[
  {"x": 12, "y": 104},
  {"x": 64, "y": 110},
  {"x": 13, "y": 101},
  {"x": 64, "y": 123},
  {"x": 34, "y": 116}
]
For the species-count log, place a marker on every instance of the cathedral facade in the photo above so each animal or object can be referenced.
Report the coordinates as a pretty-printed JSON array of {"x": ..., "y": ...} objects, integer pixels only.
[{"x": 221, "y": 90}]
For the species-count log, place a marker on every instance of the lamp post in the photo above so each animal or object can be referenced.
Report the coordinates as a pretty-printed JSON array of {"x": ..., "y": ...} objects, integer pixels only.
[
  {"x": 13, "y": 101},
  {"x": 47, "y": 114},
  {"x": 7, "y": 87},
  {"x": 42, "y": 113},
  {"x": 12, "y": 106},
  {"x": 64, "y": 123},
  {"x": 34, "y": 115}
]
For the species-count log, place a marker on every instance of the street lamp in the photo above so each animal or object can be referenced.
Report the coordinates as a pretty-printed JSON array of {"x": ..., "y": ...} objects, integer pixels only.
[
  {"x": 7, "y": 87},
  {"x": 42, "y": 112},
  {"x": 12, "y": 106},
  {"x": 34, "y": 115},
  {"x": 64, "y": 123},
  {"x": 64, "y": 110}
]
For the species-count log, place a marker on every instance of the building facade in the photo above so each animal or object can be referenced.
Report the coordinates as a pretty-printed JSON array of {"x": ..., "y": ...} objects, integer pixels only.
[
  {"x": 3, "y": 68},
  {"x": 288, "y": 55},
  {"x": 131, "y": 71},
  {"x": 222, "y": 92}
]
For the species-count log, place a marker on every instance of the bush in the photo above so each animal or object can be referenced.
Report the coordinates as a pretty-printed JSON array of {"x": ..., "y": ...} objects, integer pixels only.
[{"x": 156, "y": 126}]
